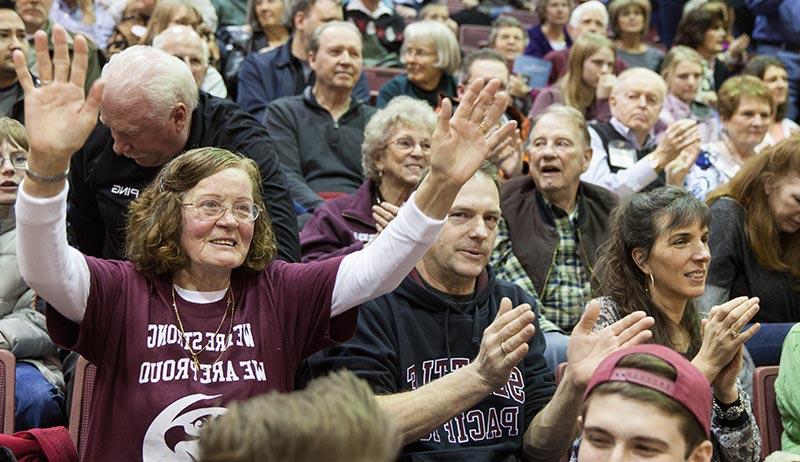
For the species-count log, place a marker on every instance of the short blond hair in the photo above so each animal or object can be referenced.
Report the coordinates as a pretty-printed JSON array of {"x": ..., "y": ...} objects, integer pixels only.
[
  {"x": 448, "y": 53},
  {"x": 335, "y": 419}
]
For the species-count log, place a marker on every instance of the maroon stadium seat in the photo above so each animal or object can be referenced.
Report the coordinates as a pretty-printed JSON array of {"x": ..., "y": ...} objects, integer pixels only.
[
  {"x": 8, "y": 365},
  {"x": 82, "y": 395},
  {"x": 765, "y": 409}
]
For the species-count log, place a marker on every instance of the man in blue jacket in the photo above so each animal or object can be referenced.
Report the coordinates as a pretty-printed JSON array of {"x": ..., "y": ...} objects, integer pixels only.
[
  {"x": 460, "y": 370},
  {"x": 284, "y": 71},
  {"x": 777, "y": 33}
]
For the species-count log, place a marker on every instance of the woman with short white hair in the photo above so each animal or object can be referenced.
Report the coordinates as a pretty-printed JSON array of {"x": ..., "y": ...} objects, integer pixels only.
[{"x": 431, "y": 55}]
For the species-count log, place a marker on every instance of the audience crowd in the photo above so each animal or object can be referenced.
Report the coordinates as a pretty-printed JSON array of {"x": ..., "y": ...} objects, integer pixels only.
[{"x": 377, "y": 230}]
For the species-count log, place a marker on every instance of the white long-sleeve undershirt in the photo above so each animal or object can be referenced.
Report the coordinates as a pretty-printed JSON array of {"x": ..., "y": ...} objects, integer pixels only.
[{"x": 60, "y": 274}]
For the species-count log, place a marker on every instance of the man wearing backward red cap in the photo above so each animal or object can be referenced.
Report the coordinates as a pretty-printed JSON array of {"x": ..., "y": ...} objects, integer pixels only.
[{"x": 646, "y": 403}]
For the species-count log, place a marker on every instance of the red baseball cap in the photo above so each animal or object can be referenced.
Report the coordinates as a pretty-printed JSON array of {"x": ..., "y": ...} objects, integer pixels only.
[{"x": 690, "y": 388}]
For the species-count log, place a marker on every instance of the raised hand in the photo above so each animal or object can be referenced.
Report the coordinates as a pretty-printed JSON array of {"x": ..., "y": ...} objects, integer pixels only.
[
  {"x": 58, "y": 118},
  {"x": 723, "y": 336},
  {"x": 459, "y": 144},
  {"x": 504, "y": 343},
  {"x": 586, "y": 349}
]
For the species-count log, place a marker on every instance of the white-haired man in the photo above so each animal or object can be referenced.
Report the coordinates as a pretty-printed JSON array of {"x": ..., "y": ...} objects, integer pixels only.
[
  {"x": 625, "y": 157},
  {"x": 319, "y": 133},
  {"x": 590, "y": 16},
  {"x": 185, "y": 44},
  {"x": 150, "y": 112}
]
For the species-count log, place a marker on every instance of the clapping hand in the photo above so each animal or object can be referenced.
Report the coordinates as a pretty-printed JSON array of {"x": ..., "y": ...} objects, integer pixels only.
[
  {"x": 677, "y": 170},
  {"x": 58, "y": 118},
  {"x": 722, "y": 342},
  {"x": 504, "y": 343},
  {"x": 586, "y": 349},
  {"x": 383, "y": 213}
]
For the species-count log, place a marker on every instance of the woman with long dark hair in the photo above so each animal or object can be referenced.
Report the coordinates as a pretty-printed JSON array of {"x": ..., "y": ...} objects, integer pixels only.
[{"x": 656, "y": 260}]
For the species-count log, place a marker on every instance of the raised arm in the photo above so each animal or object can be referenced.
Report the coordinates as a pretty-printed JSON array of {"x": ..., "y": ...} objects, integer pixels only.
[
  {"x": 59, "y": 119},
  {"x": 459, "y": 147}
]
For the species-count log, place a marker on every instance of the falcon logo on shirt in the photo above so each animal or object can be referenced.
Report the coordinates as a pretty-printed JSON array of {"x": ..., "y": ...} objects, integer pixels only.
[{"x": 174, "y": 432}]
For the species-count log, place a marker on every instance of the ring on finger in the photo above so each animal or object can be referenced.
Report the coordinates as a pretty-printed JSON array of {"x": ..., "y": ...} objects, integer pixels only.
[
  {"x": 733, "y": 332},
  {"x": 483, "y": 127},
  {"x": 503, "y": 348},
  {"x": 45, "y": 82}
]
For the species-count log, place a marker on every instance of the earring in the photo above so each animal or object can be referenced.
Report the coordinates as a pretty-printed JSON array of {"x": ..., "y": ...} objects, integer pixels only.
[{"x": 652, "y": 280}]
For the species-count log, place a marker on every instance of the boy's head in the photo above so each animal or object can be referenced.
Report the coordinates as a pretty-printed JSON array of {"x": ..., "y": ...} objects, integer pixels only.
[
  {"x": 14, "y": 155},
  {"x": 646, "y": 403}
]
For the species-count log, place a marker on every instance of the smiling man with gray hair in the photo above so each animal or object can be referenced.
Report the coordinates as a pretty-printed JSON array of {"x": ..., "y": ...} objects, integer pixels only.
[
  {"x": 150, "y": 112},
  {"x": 319, "y": 132}
]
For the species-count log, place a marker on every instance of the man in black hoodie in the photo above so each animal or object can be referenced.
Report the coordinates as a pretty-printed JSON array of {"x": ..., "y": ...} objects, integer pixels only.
[{"x": 461, "y": 372}]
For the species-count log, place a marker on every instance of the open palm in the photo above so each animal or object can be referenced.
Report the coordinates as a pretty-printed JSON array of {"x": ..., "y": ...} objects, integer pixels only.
[
  {"x": 459, "y": 143},
  {"x": 58, "y": 118}
]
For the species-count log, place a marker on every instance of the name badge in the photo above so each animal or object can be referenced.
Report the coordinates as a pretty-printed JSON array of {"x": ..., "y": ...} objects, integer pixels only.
[{"x": 621, "y": 154}]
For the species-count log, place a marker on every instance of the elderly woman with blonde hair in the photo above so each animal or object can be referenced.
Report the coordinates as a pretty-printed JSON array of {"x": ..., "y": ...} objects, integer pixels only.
[
  {"x": 202, "y": 315},
  {"x": 396, "y": 150},
  {"x": 431, "y": 56}
]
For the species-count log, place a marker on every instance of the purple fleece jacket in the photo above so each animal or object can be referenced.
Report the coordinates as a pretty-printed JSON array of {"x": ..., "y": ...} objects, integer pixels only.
[{"x": 339, "y": 227}]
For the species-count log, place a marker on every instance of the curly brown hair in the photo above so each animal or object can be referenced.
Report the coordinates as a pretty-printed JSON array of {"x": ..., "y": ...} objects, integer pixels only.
[{"x": 154, "y": 222}]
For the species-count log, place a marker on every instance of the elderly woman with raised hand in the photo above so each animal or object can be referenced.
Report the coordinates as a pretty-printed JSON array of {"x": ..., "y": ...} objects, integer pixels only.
[
  {"x": 656, "y": 260},
  {"x": 630, "y": 21},
  {"x": 396, "y": 150},
  {"x": 682, "y": 69},
  {"x": 430, "y": 55},
  {"x": 745, "y": 108},
  {"x": 202, "y": 315},
  {"x": 773, "y": 73},
  {"x": 755, "y": 243},
  {"x": 551, "y": 33}
]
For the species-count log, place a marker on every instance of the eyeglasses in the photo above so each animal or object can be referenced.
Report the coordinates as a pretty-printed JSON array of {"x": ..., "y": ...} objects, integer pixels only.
[
  {"x": 18, "y": 160},
  {"x": 419, "y": 53},
  {"x": 407, "y": 144},
  {"x": 210, "y": 209}
]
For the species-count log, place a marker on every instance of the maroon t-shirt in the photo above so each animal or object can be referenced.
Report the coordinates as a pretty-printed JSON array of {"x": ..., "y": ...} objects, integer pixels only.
[{"x": 150, "y": 401}]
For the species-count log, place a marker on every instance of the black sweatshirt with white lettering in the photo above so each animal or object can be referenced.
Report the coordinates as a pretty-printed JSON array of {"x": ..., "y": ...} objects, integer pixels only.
[{"x": 417, "y": 334}]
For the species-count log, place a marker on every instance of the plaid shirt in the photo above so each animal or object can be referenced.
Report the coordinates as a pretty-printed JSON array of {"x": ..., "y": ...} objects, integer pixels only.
[{"x": 567, "y": 287}]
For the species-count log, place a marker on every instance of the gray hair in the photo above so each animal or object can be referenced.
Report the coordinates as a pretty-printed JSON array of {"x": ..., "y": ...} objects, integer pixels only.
[
  {"x": 143, "y": 72},
  {"x": 402, "y": 111},
  {"x": 639, "y": 73},
  {"x": 577, "y": 13},
  {"x": 252, "y": 20},
  {"x": 181, "y": 33},
  {"x": 313, "y": 44},
  {"x": 448, "y": 53},
  {"x": 484, "y": 54},
  {"x": 569, "y": 114}
]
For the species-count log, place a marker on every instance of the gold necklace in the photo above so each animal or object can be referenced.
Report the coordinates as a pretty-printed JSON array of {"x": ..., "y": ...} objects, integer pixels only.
[{"x": 231, "y": 303}]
